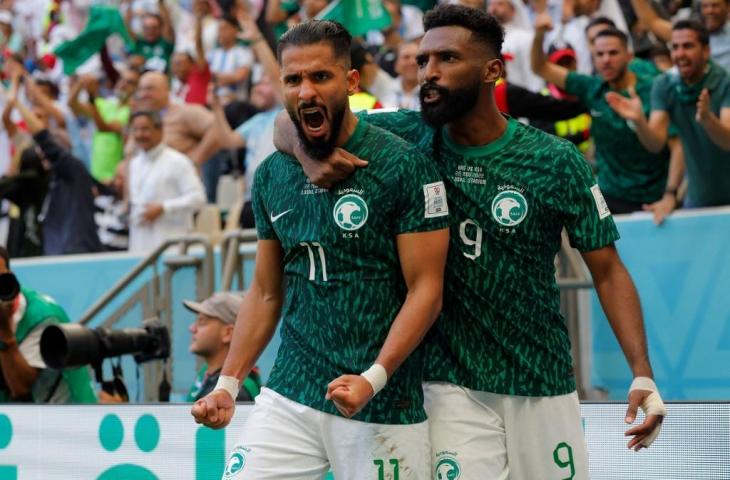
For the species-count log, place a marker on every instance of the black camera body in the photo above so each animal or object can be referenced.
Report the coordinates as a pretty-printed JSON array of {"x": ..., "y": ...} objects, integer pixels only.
[{"x": 74, "y": 345}]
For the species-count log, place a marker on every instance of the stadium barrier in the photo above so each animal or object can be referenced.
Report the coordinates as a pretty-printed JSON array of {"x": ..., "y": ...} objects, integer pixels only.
[
  {"x": 681, "y": 269},
  {"x": 162, "y": 442}
]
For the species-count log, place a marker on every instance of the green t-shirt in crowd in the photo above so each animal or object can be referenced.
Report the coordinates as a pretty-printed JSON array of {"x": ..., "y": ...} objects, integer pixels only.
[
  {"x": 708, "y": 166},
  {"x": 157, "y": 54},
  {"x": 108, "y": 147},
  {"x": 501, "y": 330},
  {"x": 626, "y": 170},
  {"x": 344, "y": 280}
]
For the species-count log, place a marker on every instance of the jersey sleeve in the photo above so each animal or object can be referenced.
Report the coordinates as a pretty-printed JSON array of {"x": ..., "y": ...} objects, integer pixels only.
[
  {"x": 407, "y": 124},
  {"x": 588, "y": 220},
  {"x": 422, "y": 205},
  {"x": 264, "y": 227},
  {"x": 580, "y": 86}
]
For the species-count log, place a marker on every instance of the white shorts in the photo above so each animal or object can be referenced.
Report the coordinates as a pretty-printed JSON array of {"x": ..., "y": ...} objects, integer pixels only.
[
  {"x": 285, "y": 440},
  {"x": 479, "y": 435}
]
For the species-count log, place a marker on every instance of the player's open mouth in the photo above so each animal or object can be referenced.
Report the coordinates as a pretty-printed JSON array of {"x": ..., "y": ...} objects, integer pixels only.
[
  {"x": 431, "y": 95},
  {"x": 313, "y": 121}
]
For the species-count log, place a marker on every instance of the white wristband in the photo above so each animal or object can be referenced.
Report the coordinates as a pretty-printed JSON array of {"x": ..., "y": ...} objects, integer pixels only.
[
  {"x": 652, "y": 405},
  {"x": 377, "y": 376},
  {"x": 229, "y": 384}
]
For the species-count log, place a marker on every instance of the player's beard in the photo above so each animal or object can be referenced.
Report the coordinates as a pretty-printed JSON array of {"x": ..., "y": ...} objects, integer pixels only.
[
  {"x": 322, "y": 148},
  {"x": 452, "y": 104}
]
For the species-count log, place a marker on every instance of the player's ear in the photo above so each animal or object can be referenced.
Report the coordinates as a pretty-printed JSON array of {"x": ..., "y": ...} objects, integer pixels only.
[
  {"x": 493, "y": 70},
  {"x": 353, "y": 81}
]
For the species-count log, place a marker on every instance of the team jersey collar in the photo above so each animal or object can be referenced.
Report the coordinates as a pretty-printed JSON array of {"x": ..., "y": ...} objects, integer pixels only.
[
  {"x": 482, "y": 150},
  {"x": 354, "y": 141}
]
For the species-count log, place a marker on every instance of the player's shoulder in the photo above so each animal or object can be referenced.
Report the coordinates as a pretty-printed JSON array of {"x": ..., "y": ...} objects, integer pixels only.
[
  {"x": 274, "y": 164},
  {"x": 386, "y": 143},
  {"x": 549, "y": 150}
]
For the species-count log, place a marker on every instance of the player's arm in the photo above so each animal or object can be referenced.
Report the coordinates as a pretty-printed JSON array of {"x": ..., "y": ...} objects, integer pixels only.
[
  {"x": 423, "y": 259},
  {"x": 549, "y": 72},
  {"x": 325, "y": 173},
  {"x": 255, "y": 325},
  {"x": 620, "y": 302},
  {"x": 717, "y": 128}
]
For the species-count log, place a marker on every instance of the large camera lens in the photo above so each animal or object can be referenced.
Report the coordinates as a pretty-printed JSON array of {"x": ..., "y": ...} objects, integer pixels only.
[
  {"x": 69, "y": 345},
  {"x": 73, "y": 345},
  {"x": 9, "y": 287}
]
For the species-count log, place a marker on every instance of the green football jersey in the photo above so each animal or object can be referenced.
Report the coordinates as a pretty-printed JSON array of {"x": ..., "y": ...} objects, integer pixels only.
[
  {"x": 501, "y": 329},
  {"x": 344, "y": 279}
]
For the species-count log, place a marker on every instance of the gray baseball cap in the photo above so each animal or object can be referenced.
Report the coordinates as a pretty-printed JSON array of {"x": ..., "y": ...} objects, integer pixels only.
[{"x": 223, "y": 306}]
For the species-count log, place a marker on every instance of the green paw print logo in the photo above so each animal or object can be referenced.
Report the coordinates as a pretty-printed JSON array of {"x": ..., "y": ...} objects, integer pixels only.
[
  {"x": 146, "y": 436},
  {"x": 7, "y": 472}
]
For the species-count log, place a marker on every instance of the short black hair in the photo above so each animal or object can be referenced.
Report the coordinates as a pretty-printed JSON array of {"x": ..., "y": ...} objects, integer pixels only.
[
  {"x": 5, "y": 255},
  {"x": 600, "y": 21},
  {"x": 615, "y": 33},
  {"x": 316, "y": 31},
  {"x": 702, "y": 33},
  {"x": 484, "y": 27},
  {"x": 154, "y": 117}
]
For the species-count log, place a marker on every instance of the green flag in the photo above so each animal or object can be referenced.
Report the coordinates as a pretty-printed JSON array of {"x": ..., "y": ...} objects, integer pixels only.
[
  {"x": 358, "y": 16},
  {"x": 103, "y": 22}
]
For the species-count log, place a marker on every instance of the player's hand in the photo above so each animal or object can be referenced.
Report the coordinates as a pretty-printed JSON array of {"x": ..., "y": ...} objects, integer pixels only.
[
  {"x": 349, "y": 393},
  {"x": 337, "y": 167},
  {"x": 215, "y": 410},
  {"x": 629, "y": 108},
  {"x": 644, "y": 433},
  {"x": 703, "y": 106},
  {"x": 662, "y": 208}
]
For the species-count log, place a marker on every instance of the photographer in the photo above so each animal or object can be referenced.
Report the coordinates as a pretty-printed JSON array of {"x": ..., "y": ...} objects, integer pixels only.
[
  {"x": 212, "y": 331},
  {"x": 25, "y": 378}
]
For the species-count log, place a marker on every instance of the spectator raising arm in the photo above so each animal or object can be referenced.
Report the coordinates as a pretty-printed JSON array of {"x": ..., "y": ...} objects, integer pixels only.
[
  {"x": 39, "y": 98},
  {"x": 250, "y": 33},
  {"x": 654, "y": 23},
  {"x": 200, "y": 61},
  {"x": 227, "y": 138},
  {"x": 168, "y": 31},
  {"x": 91, "y": 84},
  {"x": 550, "y": 72}
]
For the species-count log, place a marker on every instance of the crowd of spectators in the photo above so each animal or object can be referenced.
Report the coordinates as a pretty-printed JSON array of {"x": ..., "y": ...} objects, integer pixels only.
[{"x": 121, "y": 116}]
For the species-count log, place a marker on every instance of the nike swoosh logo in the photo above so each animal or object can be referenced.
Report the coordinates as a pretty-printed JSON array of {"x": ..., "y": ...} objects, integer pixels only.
[{"x": 277, "y": 217}]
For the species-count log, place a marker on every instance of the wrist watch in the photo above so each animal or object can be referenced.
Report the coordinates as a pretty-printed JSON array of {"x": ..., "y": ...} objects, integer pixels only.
[{"x": 7, "y": 345}]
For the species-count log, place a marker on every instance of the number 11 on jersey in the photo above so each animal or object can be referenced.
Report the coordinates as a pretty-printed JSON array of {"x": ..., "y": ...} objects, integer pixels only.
[{"x": 311, "y": 247}]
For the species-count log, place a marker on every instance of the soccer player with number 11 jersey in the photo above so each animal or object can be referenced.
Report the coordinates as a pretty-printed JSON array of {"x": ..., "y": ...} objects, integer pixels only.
[{"x": 364, "y": 266}]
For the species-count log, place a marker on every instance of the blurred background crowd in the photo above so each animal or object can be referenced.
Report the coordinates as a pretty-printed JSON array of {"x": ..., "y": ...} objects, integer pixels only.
[{"x": 130, "y": 121}]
